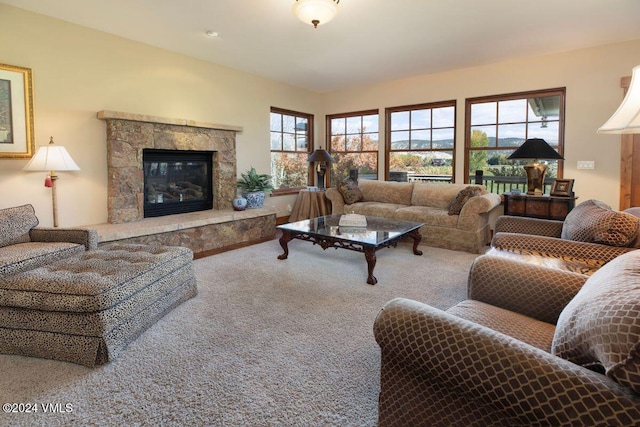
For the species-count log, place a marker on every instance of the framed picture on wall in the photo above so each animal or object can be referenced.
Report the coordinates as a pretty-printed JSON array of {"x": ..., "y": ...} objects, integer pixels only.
[
  {"x": 562, "y": 187},
  {"x": 16, "y": 113}
]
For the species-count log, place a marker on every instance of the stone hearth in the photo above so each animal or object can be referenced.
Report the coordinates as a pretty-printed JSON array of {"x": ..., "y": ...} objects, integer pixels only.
[
  {"x": 128, "y": 134},
  {"x": 203, "y": 232}
]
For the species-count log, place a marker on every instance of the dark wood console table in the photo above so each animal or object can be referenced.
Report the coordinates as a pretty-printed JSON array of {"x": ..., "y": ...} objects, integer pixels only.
[{"x": 546, "y": 207}]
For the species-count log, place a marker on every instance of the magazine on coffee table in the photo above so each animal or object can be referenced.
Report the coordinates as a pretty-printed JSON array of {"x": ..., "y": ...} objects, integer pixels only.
[{"x": 353, "y": 220}]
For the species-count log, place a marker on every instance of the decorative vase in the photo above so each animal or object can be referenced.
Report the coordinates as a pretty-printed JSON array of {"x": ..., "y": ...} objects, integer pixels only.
[
  {"x": 239, "y": 203},
  {"x": 255, "y": 199}
]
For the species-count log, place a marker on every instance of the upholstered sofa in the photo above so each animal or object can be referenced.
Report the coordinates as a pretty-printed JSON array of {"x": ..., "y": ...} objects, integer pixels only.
[
  {"x": 455, "y": 216},
  {"x": 531, "y": 345},
  {"x": 591, "y": 235},
  {"x": 64, "y": 297}
]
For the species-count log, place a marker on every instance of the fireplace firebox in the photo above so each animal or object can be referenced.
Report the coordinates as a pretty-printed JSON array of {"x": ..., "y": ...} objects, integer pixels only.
[{"x": 177, "y": 181}]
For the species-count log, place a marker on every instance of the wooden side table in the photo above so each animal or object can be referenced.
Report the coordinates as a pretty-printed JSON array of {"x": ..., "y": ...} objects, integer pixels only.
[
  {"x": 310, "y": 204},
  {"x": 545, "y": 207}
]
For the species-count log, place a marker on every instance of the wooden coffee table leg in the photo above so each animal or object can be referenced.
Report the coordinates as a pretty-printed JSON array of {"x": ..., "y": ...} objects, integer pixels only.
[
  {"x": 370, "y": 255},
  {"x": 415, "y": 235},
  {"x": 284, "y": 240}
]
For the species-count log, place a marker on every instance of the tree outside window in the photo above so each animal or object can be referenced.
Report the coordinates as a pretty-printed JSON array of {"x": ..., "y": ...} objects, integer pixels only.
[
  {"x": 353, "y": 144},
  {"x": 497, "y": 125},
  {"x": 421, "y": 142},
  {"x": 291, "y": 143}
]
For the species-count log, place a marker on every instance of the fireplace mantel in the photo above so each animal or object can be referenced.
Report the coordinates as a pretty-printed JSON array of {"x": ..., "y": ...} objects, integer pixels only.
[
  {"x": 106, "y": 114},
  {"x": 128, "y": 134}
]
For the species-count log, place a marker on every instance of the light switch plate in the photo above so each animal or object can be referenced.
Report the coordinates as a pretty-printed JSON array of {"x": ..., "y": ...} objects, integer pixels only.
[{"x": 586, "y": 164}]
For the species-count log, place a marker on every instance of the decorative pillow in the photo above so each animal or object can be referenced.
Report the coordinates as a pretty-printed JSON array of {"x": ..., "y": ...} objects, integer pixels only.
[
  {"x": 350, "y": 191},
  {"x": 15, "y": 224},
  {"x": 461, "y": 198},
  {"x": 595, "y": 222},
  {"x": 600, "y": 328}
]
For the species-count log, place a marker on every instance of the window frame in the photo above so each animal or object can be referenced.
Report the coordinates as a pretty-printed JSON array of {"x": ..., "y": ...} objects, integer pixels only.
[
  {"x": 310, "y": 147},
  {"x": 328, "y": 137},
  {"x": 559, "y": 91},
  {"x": 408, "y": 108}
]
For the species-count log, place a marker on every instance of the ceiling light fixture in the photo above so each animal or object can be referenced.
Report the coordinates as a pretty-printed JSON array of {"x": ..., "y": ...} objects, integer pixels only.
[{"x": 315, "y": 12}]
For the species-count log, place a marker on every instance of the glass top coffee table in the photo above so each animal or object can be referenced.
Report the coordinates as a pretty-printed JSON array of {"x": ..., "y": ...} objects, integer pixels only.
[{"x": 325, "y": 231}]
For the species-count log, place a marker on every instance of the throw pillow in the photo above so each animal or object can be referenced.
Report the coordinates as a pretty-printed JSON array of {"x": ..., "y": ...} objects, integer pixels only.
[
  {"x": 350, "y": 191},
  {"x": 15, "y": 224},
  {"x": 595, "y": 222},
  {"x": 600, "y": 328},
  {"x": 461, "y": 198}
]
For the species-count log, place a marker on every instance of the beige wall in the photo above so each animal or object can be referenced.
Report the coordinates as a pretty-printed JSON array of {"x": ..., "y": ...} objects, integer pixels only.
[
  {"x": 591, "y": 77},
  {"x": 78, "y": 72}
]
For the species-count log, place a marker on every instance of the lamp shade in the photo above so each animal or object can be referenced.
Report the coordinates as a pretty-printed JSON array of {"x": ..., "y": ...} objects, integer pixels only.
[
  {"x": 626, "y": 119},
  {"x": 51, "y": 157},
  {"x": 315, "y": 12},
  {"x": 535, "y": 148},
  {"x": 320, "y": 155}
]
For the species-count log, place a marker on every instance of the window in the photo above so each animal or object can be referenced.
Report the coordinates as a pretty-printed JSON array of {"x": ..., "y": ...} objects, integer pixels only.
[
  {"x": 291, "y": 143},
  {"x": 353, "y": 144},
  {"x": 497, "y": 125},
  {"x": 421, "y": 141}
]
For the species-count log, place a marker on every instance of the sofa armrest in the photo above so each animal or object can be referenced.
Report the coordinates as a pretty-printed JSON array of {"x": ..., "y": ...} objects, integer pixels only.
[
  {"x": 83, "y": 236},
  {"x": 525, "y": 225},
  {"x": 480, "y": 204},
  {"x": 337, "y": 202},
  {"x": 519, "y": 384},
  {"x": 555, "y": 247},
  {"x": 528, "y": 289}
]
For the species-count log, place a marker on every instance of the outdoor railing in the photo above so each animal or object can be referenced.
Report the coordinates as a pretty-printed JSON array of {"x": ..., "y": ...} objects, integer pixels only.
[{"x": 494, "y": 184}]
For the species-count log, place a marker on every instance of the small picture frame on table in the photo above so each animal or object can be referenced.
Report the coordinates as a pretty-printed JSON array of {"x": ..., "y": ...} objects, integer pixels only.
[{"x": 562, "y": 187}]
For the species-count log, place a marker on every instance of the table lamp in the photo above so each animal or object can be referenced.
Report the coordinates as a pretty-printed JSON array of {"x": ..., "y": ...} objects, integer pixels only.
[
  {"x": 535, "y": 149},
  {"x": 51, "y": 158},
  {"x": 321, "y": 158}
]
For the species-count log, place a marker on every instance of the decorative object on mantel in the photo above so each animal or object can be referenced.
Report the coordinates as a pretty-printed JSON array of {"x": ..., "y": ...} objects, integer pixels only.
[
  {"x": 626, "y": 119},
  {"x": 52, "y": 158},
  {"x": 254, "y": 186},
  {"x": 17, "y": 139},
  {"x": 535, "y": 149},
  {"x": 239, "y": 203},
  {"x": 321, "y": 158},
  {"x": 315, "y": 12}
]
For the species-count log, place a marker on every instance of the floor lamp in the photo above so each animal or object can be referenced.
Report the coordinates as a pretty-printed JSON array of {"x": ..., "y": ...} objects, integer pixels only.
[{"x": 51, "y": 158}]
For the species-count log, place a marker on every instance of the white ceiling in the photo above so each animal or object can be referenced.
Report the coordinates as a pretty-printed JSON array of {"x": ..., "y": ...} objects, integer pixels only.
[{"x": 369, "y": 41}]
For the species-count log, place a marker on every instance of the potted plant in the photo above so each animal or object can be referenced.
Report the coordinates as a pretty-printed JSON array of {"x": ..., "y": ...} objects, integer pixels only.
[{"x": 254, "y": 186}]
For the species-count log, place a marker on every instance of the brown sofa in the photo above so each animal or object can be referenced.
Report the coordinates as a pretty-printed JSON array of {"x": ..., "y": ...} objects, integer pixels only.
[
  {"x": 455, "y": 216},
  {"x": 530, "y": 346},
  {"x": 589, "y": 237}
]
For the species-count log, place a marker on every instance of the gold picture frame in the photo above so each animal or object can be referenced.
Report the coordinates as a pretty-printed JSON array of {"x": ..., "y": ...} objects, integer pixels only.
[
  {"x": 16, "y": 113},
  {"x": 562, "y": 187}
]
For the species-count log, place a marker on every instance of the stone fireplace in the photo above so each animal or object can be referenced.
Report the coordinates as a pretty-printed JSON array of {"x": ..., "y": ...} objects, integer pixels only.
[{"x": 129, "y": 134}]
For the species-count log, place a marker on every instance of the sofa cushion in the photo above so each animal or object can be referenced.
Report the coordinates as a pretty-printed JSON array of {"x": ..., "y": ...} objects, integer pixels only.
[
  {"x": 434, "y": 217},
  {"x": 383, "y": 210},
  {"x": 350, "y": 191},
  {"x": 461, "y": 198},
  {"x": 600, "y": 327},
  {"x": 386, "y": 191},
  {"x": 15, "y": 224},
  {"x": 595, "y": 222},
  {"x": 437, "y": 195}
]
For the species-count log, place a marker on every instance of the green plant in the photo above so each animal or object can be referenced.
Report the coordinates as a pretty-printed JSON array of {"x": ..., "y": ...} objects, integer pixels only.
[{"x": 254, "y": 181}]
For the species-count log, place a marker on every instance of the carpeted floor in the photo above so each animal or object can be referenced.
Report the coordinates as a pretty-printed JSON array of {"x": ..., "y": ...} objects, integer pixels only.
[{"x": 265, "y": 343}]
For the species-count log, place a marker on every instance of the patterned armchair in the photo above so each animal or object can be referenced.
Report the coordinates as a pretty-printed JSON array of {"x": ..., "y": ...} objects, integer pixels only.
[
  {"x": 530, "y": 346},
  {"x": 591, "y": 236}
]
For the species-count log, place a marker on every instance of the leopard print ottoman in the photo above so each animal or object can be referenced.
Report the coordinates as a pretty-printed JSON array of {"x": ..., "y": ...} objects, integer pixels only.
[{"x": 86, "y": 309}]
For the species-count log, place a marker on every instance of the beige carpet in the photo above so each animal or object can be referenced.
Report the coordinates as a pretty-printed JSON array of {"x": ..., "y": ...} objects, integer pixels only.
[{"x": 265, "y": 343}]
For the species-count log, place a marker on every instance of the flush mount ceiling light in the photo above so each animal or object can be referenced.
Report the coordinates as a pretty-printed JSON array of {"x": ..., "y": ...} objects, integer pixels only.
[{"x": 315, "y": 12}]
